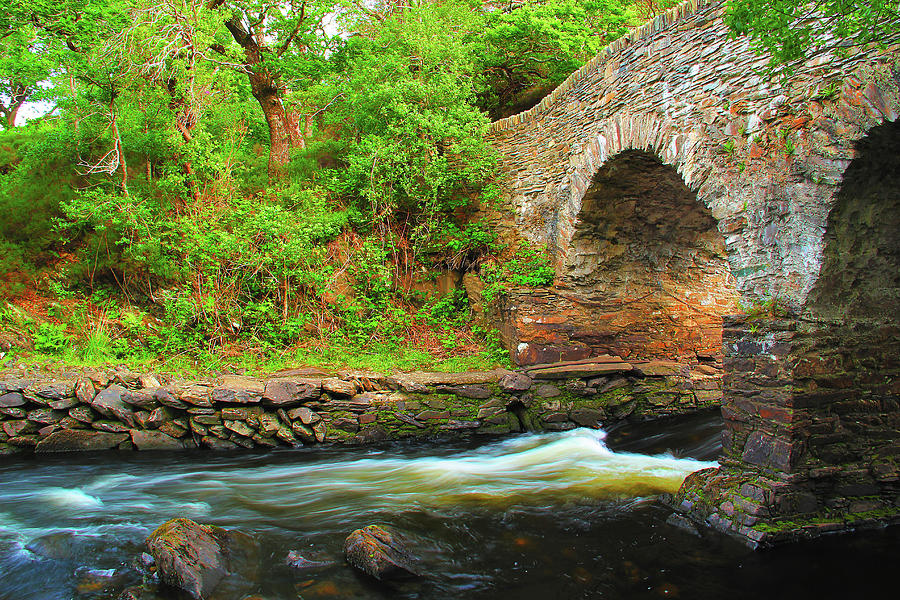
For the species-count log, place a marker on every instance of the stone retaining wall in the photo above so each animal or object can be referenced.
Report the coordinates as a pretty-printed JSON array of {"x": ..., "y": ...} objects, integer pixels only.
[{"x": 118, "y": 409}]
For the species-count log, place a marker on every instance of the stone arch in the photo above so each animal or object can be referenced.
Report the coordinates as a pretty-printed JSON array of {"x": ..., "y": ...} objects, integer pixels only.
[
  {"x": 673, "y": 147},
  {"x": 647, "y": 264}
]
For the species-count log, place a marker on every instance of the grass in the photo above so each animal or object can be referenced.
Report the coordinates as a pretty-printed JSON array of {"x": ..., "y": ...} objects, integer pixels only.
[{"x": 331, "y": 356}]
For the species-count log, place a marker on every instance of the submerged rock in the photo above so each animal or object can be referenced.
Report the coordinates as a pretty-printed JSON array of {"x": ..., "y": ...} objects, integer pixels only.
[
  {"x": 298, "y": 561},
  {"x": 379, "y": 552},
  {"x": 195, "y": 557}
]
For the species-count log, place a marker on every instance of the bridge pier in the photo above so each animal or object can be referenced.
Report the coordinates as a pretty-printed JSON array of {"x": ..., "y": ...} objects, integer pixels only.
[{"x": 811, "y": 414}]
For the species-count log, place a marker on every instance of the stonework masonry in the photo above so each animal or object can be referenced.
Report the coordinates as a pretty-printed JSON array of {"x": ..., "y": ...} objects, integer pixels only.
[{"x": 116, "y": 409}]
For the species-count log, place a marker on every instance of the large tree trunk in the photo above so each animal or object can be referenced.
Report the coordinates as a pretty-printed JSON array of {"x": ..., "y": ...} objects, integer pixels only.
[
  {"x": 268, "y": 89},
  {"x": 280, "y": 139}
]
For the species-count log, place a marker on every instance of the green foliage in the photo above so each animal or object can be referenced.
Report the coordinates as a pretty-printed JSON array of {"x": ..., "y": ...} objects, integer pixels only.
[
  {"x": 791, "y": 29},
  {"x": 51, "y": 338},
  {"x": 527, "y": 267},
  {"x": 529, "y": 48},
  {"x": 728, "y": 147},
  {"x": 146, "y": 207},
  {"x": 406, "y": 98}
]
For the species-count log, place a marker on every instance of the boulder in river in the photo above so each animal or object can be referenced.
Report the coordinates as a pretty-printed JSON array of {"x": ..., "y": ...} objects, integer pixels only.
[
  {"x": 379, "y": 552},
  {"x": 195, "y": 557}
]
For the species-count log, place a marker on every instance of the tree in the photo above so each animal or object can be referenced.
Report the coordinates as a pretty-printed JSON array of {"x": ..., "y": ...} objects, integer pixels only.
[
  {"x": 24, "y": 64},
  {"x": 789, "y": 29},
  {"x": 280, "y": 42},
  {"x": 528, "y": 48}
]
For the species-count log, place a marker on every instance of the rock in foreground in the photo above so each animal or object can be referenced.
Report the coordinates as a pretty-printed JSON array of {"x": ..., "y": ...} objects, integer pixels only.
[
  {"x": 379, "y": 552},
  {"x": 194, "y": 557}
]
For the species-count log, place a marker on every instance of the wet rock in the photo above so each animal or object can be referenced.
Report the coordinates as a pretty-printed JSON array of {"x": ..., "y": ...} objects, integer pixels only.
[
  {"x": 213, "y": 419},
  {"x": 168, "y": 398},
  {"x": 339, "y": 387},
  {"x": 346, "y": 424},
  {"x": 515, "y": 382},
  {"x": 303, "y": 432},
  {"x": 194, "y": 394},
  {"x": 240, "y": 428},
  {"x": 56, "y": 546},
  {"x": 580, "y": 388},
  {"x": 454, "y": 425},
  {"x": 601, "y": 365},
  {"x": 379, "y": 552},
  {"x": 547, "y": 391},
  {"x": 82, "y": 414},
  {"x": 110, "y": 404},
  {"x": 12, "y": 400},
  {"x": 682, "y": 522},
  {"x": 17, "y": 428},
  {"x": 174, "y": 429},
  {"x": 268, "y": 424},
  {"x": 214, "y": 443},
  {"x": 84, "y": 391},
  {"x": 79, "y": 440},
  {"x": 371, "y": 435},
  {"x": 432, "y": 415},
  {"x": 658, "y": 368},
  {"x": 12, "y": 413},
  {"x": 23, "y": 441},
  {"x": 126, "y": 378},
  {"x": 554, "y": 417},
  {"x": 491, "y": 408},
  {"x": 154, "y": 440},
  {"x": 238, "y": 390},
  {"x": 91, "y": 581},
  {"x": 58, "y": 390},
  {"x": 110, "y": 426},
  {"x": 587, "y": 417},
  {"x": 64, "y": 403},
  {"x": 141, "y": 399},
  {"x": 195, "y": 557},
  {"x": 286, "y": 435},
  {"x": 409, "y": 420},
  {"x": 265, "y": 442},
  {"x": 158, "y": 416},
  {"x": 149, "y": 381},
  {"x": 45, "y": 416}
]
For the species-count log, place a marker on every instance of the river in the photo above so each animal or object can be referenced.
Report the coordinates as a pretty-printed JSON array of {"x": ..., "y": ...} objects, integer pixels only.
[{"x": 534, "y": 516}]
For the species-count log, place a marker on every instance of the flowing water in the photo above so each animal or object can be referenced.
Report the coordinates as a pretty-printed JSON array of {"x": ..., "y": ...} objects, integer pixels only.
[{"x": 536, "y": 516}]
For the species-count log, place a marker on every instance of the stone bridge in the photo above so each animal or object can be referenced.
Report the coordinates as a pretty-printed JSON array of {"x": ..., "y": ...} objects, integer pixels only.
[{"x": 701, "y": 211}]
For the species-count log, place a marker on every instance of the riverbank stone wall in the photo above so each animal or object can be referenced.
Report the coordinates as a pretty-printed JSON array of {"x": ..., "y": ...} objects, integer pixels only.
[{"x": 120, "y": 410}]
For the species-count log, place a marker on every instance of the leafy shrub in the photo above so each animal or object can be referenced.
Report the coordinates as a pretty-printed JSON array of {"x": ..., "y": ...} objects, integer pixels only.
[{"x": 51, "y": 338}]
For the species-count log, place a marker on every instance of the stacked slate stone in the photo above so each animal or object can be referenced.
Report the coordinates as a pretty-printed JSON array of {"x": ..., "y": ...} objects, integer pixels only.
[{"x": 117, "y": 409}]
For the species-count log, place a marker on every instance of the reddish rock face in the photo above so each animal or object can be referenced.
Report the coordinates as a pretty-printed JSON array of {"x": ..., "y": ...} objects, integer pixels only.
[
  {"x": 189, "y": 556},
  {"x": 195, "y": 557}
]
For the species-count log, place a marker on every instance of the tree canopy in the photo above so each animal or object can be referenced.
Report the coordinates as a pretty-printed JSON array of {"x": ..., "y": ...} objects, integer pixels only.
[{"x": 790, "y": 29}]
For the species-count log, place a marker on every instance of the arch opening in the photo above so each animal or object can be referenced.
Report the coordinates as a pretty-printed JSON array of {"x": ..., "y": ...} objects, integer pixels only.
[{"x": 649, "y": 264}]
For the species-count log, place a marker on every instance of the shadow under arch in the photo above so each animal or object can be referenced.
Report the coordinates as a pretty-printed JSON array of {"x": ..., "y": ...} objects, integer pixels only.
[{"x": 859, "y": 280}]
